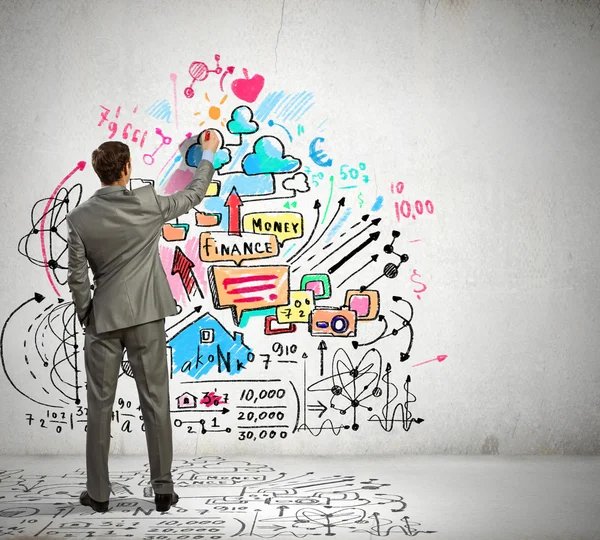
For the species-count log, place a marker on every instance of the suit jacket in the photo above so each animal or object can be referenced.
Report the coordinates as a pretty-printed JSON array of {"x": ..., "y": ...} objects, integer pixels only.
[{"x": 117, "y": 231}]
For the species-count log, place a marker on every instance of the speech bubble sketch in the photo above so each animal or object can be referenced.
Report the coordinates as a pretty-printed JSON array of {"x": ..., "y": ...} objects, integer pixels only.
[
  {"x": 299, "y": 309},
  {"x": 249, "y": 288},
  {"x": 284, "y": 225},
  {"x": 218, "y": 246}
]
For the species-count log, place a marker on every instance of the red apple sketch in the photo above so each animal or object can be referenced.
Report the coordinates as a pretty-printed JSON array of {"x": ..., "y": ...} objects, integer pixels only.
[{"x": 248, "y": 89}]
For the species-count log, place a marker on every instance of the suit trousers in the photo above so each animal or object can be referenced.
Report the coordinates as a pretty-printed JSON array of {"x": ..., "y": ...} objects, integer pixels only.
[{"x": 146, "y": 352}]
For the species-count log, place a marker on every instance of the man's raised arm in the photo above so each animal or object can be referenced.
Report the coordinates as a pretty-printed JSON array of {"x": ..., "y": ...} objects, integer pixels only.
[{"x": 180, "y": 203}]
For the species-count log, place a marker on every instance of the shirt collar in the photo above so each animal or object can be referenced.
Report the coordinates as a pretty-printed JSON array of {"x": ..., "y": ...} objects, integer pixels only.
[{"x": 104, "y": 190}]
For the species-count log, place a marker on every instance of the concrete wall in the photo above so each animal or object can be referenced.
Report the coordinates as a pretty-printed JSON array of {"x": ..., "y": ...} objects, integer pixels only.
[{"x": 470, "y": 128}]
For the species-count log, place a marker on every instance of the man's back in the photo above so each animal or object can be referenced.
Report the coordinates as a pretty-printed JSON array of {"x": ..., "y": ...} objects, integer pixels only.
[{"x": 120, "y": 230}]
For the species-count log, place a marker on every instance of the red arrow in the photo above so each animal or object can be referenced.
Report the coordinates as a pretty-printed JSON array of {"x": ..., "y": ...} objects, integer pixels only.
[
  {"x": 234, "y": 202},
  {"x": 439, "y": 358},
  {"x": 182, "y": 265},
  {"x": 79, "y": 167}
]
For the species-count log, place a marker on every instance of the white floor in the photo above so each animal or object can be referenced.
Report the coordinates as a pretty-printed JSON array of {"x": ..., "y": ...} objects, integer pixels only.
[{"x": 438, "y": 497}]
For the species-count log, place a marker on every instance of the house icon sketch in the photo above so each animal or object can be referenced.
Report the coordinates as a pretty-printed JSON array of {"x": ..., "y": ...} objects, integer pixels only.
[
  {"x": 204, "y": 344},
  {"x": 187, "y": 401}
]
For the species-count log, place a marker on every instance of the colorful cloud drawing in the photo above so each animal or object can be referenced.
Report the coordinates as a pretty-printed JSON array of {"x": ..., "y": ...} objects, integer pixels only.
[
  {"x": 298, "y": 182},
  {"x": 194, "y": 155},
  {"x": 268, "y": 158},
  {"x": 242, "y": 121}
]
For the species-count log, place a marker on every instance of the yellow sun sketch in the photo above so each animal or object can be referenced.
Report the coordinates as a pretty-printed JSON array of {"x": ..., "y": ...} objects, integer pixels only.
[{"x": 214, "y": 112}]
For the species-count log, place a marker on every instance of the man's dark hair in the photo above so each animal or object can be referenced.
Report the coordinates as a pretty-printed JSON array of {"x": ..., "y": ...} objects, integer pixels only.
[{"x": 109, "y": 160}]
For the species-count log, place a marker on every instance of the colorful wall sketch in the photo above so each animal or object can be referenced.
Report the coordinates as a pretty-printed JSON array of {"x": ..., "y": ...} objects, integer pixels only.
[{"x": 282, "y": 265}]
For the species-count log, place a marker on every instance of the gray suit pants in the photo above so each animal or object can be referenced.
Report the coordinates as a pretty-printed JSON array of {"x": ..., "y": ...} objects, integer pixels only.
[{"x": 146, "y": 351}]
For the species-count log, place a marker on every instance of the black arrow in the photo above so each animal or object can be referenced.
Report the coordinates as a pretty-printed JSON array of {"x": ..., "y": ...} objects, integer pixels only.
[
  {"x": 400, "y": 299},
  {"x": 224, "y": 410},
  {"x": 322, "y": 347},
  {"x": 317, "y": 207},
  {"x": 356, "y": 344},
  {"x": 408, "y": 420},
  {"x": 320, "y": 407},
  {"x": 372, "y": 238},
  {"x": 341, "y": 203},
  {"x": 373, "y": 259},
  {"x": 281, "y": 509},
  {"x": 390, "y": 270},
  {"x": 376, "y": 516},
  {"x": 405, "y": 323},
  {"x": 395, "y": 331},
  {"x": 373, "y": 222},
  {"x": 274, "y": 527},
  {"x": 197, "y": 309}
]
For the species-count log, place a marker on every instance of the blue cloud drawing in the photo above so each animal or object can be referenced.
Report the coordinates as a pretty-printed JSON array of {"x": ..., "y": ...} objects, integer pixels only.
[
  {"x": 222, "y": 157},
  {"x": 194, "y": 155},
  {"x": 242, "y": 121},
  {"x": 268, "y": 158}
]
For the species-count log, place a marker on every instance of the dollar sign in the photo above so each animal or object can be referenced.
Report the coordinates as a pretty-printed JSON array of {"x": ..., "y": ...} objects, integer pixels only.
[
  {"x": 361, "y": 201},
  {"x": 419, "y": 283}
]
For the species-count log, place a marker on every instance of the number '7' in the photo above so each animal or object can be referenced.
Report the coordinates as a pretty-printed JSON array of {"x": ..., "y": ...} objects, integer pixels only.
[{"x": 104, "y": 115}]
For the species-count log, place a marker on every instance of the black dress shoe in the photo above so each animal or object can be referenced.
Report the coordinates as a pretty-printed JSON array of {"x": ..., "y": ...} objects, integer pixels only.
[
  {"x": 164, "y": 501},
  {"x": 97, "y": 506}
]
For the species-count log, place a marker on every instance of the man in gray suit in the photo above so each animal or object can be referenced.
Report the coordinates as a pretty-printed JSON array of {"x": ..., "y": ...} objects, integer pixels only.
[{"x": 117, "y": 232}]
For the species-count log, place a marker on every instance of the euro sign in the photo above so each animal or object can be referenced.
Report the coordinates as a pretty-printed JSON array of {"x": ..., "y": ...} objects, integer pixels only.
[{"x": 317, "y": 155}]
